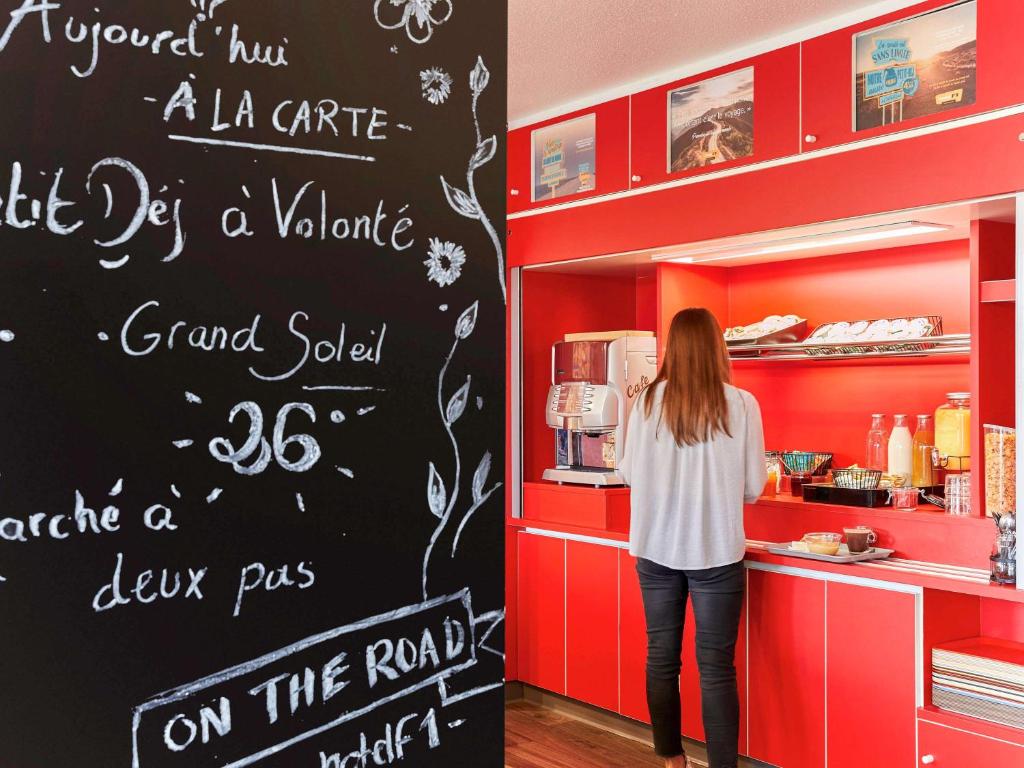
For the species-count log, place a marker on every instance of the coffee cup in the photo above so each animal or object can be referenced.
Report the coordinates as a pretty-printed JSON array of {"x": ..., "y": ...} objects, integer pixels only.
[{"x": 859, "y": 539}]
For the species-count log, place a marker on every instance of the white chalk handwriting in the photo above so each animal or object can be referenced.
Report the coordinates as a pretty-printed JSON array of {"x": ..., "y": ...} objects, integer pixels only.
[
  {"x": 146, "y": 332},
  {"x": 28, "y": 209},
  {"x": 191, "y": 41}
]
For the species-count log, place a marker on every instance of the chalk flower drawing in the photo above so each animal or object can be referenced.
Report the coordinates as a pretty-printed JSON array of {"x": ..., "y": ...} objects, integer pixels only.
[
  {"x": 419, "y": 17},
  {"x": 466, "y": 203},
  {"x": 207, "y": 7},
  {"x": 436, "y": 85},
  {"x": 444, "y": 263},
  {"x": 440, "y": 500}
]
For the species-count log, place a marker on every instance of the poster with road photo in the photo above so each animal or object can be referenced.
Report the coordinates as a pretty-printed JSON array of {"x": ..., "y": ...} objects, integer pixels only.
[
  {"x": 916, "y": 67},
  {"x": 711, "y": 121}
]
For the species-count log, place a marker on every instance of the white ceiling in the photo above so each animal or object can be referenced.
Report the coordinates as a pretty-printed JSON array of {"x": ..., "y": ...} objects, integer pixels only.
[{"x": 564, "y": 52}]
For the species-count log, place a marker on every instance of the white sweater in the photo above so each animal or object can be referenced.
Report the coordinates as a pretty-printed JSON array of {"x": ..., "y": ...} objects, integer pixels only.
[{"x": 687, "y": 502}]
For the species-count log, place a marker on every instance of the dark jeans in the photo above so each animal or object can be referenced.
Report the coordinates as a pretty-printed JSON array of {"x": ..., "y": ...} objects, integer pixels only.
[{"x": 717, "y": 595}]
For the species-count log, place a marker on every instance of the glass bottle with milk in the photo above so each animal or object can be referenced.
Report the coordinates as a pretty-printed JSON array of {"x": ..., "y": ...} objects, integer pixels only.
[{"x": 901, "y": 449}]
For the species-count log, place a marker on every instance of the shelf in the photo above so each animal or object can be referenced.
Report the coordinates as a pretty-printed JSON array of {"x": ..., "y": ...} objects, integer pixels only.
[
  {"x": 950, "y": 344},
  {"x": 997, "y": 291},
  {"x": 926, "y": 513},
  {"x": 970, "y": 724}
]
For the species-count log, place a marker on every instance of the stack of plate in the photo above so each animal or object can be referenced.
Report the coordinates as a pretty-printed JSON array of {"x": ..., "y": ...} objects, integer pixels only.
[{"x": 980, "y": 677}]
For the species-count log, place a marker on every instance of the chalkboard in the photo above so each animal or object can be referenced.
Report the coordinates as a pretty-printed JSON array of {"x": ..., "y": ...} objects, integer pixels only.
[{"x": 251, "y": 383}]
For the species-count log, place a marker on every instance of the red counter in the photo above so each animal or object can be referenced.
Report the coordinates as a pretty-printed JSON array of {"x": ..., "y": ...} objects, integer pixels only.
[{"x": 826, "y": 652}]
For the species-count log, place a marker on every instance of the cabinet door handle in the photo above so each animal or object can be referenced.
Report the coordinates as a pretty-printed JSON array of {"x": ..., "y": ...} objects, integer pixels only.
[
  {"x": 514, "y": 192},
  {"x": 636, "y": 178},
  {"x": 927, "y": 759},
  {"x": 810, "y": 138}
]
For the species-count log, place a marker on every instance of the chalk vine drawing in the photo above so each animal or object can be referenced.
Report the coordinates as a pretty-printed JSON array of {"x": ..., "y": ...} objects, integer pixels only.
[
  {"x": 444, "y": 262},
  {"x": 440, "y": 503},
  {"x": 419, "y": 17},
  {"x": 466, "y": 203},
  {"x": 436, "y": 85}
]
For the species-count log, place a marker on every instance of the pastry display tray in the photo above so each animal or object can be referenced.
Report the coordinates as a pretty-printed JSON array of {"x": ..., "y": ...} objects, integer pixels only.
[
  {"x": 842, "y": 556},
  {"x": 791, "y": 334}
]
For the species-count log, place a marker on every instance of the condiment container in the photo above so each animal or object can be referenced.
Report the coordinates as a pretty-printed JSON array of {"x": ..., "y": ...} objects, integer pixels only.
[
  {"x": 953, "y": 432},
  {"x": 1000, "y": 470},
  {"x": 904, "y": 499},
  {"x": 797, "y": 481}
]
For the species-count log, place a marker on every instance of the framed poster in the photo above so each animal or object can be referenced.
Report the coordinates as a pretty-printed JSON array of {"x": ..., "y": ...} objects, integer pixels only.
[
  {"x": 916, "y": 67},
  {"x": 565, "y": 158},
  {"x": 711, "y": 121}
]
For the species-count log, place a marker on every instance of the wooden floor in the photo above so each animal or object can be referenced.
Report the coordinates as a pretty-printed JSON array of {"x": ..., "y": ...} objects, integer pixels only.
[{"x": 539, "y": 737}]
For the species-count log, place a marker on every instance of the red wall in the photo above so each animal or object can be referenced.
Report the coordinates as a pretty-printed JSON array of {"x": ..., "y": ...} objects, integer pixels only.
[
  {"x": 553, "y": 305},
  {"x": 826, "y": 406}
]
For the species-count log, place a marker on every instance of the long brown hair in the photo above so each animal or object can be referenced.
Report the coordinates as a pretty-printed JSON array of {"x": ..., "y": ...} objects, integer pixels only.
[{"x": 695, "y": 372}]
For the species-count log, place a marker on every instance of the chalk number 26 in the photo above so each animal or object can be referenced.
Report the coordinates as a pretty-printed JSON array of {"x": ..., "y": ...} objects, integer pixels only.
[{"x": 222, "y": 449}]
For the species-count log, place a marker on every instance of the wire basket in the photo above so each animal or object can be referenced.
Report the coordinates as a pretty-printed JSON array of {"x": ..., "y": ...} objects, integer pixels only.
[
  {"x": 807, "y": 462},
  {"x": 818, "y": 345},
  {"x": 857, "y": 478}
]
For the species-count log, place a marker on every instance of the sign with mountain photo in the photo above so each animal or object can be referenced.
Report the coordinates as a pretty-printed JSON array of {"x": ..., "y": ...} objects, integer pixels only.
[
  {"x": 916, "y": 67},
  {"x": 711, "y": 121}
]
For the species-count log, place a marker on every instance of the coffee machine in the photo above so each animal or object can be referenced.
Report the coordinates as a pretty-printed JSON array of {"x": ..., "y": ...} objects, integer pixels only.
[{"x": 595, "y": 381}]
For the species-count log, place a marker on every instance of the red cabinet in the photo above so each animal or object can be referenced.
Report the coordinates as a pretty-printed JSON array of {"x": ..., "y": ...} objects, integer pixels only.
[
  {"x": 540, "y": 627},
  {"x": 871, "y": 649},
  {"x": 611, "y": 163},
  {"x": 786, "y": 669},
  {"x": 632, "y": 643},
  {"x": 827, "y": 79},
  {"x": 689, "y": 681},
  {"x": 945, "y": 747},
  {"x": 592, "y": 624}
]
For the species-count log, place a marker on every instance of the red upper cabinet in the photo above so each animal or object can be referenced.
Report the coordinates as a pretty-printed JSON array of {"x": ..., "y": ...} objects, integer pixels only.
[
  {"x": 827, "y": 68},
  {"x": 589, "y": 147},
  {"x": 713, "y": 126}
]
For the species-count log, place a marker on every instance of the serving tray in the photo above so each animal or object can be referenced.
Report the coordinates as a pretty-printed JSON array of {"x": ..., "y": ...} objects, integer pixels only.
[
  {"x": 788, "y": 335},
  {"x": 842, "y": 556},
  {"x": 847, "y": 497}
]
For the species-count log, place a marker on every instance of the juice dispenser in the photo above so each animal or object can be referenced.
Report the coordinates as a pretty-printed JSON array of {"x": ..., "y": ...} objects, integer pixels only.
[{"x": 953, "y": 433}]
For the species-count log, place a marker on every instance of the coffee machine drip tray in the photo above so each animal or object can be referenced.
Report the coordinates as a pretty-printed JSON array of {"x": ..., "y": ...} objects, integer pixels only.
[{"x": 599, "y": 478}]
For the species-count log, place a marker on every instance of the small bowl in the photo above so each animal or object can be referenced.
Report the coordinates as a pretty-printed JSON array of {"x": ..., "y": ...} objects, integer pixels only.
[{"x": 823, "y": 543}]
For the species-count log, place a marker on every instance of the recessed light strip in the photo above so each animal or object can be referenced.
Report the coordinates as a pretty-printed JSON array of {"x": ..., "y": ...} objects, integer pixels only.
[{"x": 802, "y": 243}]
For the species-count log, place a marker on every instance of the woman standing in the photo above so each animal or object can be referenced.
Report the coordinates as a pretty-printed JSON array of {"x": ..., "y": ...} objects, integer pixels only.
[{"x": 694, "y": 454}]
